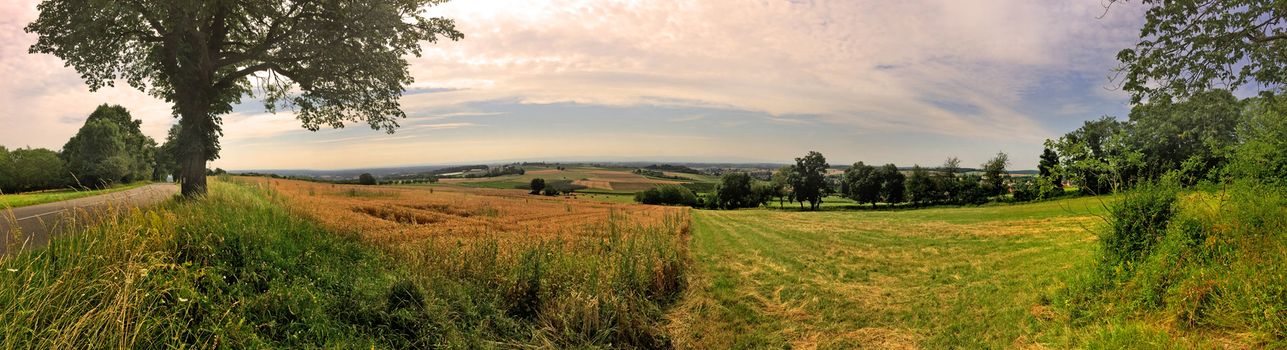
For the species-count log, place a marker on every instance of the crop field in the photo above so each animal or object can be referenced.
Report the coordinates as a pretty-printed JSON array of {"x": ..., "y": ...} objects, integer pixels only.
[
  {"x": 410, "y": 214},
  {"x": 615, "y": 180},
  {"x": 929, "y": 278}
]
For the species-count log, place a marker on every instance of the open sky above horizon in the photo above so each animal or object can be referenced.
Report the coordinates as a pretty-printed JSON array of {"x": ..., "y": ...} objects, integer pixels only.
[{"x": 688, "y": 80}]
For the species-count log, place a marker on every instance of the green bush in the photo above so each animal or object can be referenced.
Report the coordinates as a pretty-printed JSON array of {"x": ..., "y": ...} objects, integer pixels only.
[
  {"x": 1205, "y": 261},
  {"x": 667, "y": 195},
  {"x": 1137, "y": 222}
]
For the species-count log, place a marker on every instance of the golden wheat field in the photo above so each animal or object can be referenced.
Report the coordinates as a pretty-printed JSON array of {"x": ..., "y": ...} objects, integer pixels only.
[{"x": 393, "y": 215}]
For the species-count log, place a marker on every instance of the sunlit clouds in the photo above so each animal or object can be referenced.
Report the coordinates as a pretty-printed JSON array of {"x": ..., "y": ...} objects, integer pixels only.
[{"x": 907, "y": 82}]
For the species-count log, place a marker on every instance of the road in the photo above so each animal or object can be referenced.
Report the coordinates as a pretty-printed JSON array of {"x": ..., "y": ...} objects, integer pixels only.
[{"x": 37, "y": 223}]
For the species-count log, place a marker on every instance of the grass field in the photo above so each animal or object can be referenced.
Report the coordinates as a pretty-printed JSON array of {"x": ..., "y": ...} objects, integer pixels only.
[
  {"x": 932, "y": 278},
  {"x": 33, "y": 198}
]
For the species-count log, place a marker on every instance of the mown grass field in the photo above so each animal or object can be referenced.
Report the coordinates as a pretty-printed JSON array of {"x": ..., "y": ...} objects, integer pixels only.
[
  {"x": 930, "y": 278},
  {"x": 33, "y": 198}
]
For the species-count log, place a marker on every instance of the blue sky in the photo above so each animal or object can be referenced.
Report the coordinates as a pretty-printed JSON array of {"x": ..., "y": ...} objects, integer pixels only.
[{"x": 755, "y": 81}]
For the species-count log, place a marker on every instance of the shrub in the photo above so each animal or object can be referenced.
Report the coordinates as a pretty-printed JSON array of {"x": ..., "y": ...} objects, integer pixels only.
[
  {"x": 1137, "y": 222},
  {"x": 536, "y": 185},
  {"x": 667, "y": 195},
  {"x": 366, "y": 179}
]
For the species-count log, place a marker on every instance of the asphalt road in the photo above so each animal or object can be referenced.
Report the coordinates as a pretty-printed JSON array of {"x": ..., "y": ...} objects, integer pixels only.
[{"x": 37, "y": 223}]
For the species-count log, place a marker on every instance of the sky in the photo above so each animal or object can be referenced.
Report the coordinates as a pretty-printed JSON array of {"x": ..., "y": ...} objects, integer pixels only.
[{"x": 907, "y": 82}]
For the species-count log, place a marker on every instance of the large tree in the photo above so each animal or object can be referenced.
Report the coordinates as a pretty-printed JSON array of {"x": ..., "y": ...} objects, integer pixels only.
[
  {"x": 920, "y": 187},
  {"x": 1094, "y": 156},
  {"x": 811, "y": 179},
  {"x": 862, "y": 184},
  {"x": 892, "y": 184},
  {"x": 98, "y": 155},
  {"x": 1193, "y": 136},
  {"x": 1189, "y": 46},
  {"x": 332, "y": 61}
]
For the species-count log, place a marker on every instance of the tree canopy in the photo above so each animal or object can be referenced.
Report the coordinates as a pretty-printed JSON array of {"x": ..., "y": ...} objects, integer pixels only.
[
  {"x": 810, "y": 183},
  {"x": 331, "y": 61},
  {"x": 1190, "y": 46}
]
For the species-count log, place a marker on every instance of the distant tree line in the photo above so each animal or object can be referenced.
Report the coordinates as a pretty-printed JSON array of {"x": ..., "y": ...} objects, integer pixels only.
[
  {"x": 539, "y": 186},
  {"x": 110, "y": 148},
  {"x": 808, "y": 182},
  {"x": 672, "y": 168},
  {"x": 656, "y": 174}
]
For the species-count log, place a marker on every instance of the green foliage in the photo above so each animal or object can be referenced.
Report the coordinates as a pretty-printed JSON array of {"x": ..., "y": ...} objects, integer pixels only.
[
  {"x": 97, "y": 156},
  {"x": 536, "y": 185},
  {"x": 667, "y": 195},
  {"x": 366, "y": 179},
  {"x": 1189, "y": 46},
  {"x": 782, "y": 181},
  {"x": 1193, "y": 136},
  {"x": 862, "y": 183},
  {"x": 892, "y": 187},
  {"x": 1048, "y": 167},
  {"x": 551, "y": 191},
  {"x": 920, "y": 186},
  {"x": 994, "y": 174},
  {"x": 167, "y": 156},
  {"x": 1138, "y": 222},
  {"x": 31, "y": 169},
  {"x": 331, "y": 61},
  {"x": 1209, "y": 262},
  {"x": 110, "y": 148},
  {"x": 1092, "y": 155},
  {"x": 1035, "y": 188},
  {"x": 970, "y": 190},
  {"x": 1263, "y": 132},
  {"x": 734, "y": 191},
  {"x": 810, "y": 183}
]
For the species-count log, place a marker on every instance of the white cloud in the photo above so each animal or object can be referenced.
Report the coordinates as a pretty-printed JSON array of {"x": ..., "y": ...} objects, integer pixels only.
[
  {"x": 871, "y": 64},
  {"x": 963, "y": 68}
]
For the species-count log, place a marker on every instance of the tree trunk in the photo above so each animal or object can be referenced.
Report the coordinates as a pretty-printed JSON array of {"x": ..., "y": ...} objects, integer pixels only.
[
  {"x": 195, "y": 141},
  {"x": 193, "y": 175}
]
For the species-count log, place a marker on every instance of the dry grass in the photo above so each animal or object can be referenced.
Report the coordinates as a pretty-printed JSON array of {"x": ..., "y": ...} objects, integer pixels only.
[{"x": 407, "y": 215}]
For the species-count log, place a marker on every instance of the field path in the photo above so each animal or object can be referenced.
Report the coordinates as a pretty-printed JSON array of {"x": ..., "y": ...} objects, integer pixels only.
[
  {"x": 32, "y": 226},
  {"x": 934, "y": 278}
]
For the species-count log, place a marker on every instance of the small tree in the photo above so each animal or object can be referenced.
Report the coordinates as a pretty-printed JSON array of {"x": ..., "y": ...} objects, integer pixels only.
[
  {"x": 1048, "y": 167},
  {"x": 994, "y": 174},
  {"x": 810, "y": 180},
  {"x": 537, "y": 185},
  {"x": 781, "y": 182},
  {"x": 364, "y": 179},
  {"x": 947, "y": 186}
]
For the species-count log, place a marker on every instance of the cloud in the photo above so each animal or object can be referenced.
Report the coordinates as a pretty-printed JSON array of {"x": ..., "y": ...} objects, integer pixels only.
[
  {"x": 686, "y": 119},
  {"x": 868, "y": 64},
  {"x": 926, "y": 69}
]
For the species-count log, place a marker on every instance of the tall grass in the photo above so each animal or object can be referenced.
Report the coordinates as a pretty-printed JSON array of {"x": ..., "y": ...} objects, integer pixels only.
[
  {"x": 240, "y": 270},
  {"x": 1203, "y": 268}
]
